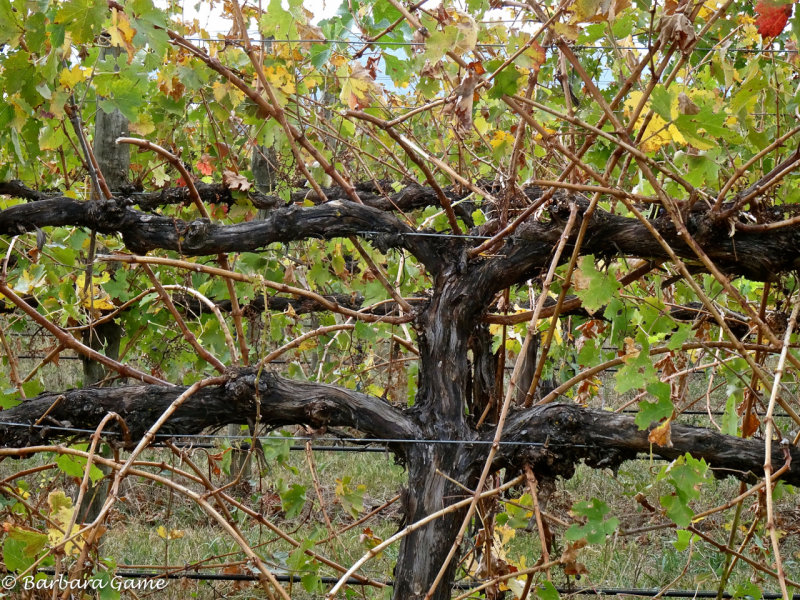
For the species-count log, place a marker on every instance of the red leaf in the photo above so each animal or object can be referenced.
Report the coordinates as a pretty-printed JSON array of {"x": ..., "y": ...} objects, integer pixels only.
[
  {"x": 772, "y": 17},
  {"x": 204, "y": 165}
]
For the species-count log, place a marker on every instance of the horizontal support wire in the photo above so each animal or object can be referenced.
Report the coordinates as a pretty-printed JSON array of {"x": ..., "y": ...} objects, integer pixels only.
[
  {"x": 462, "y": 585},
  {"x": 268, "y": 42}
]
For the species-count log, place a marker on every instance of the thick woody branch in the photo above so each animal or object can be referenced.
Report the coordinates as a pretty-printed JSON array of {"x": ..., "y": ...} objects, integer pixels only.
[
  {"x": 569, "y": 433},
  {"x": 277, "y": 401},
  {"x": 755, "y": 255},
  {"x": 143, "y": 232}
]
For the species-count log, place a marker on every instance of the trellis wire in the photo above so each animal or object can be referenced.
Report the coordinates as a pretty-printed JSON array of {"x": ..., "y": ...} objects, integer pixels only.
[
  {"x": 585, "y": 591},
  {"x": 268, "y": 42},
  {"x": 356, "y": 440}
]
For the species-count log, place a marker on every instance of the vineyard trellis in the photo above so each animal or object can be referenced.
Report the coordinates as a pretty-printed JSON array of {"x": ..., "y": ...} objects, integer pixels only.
[{"x": 603, "y": 199}]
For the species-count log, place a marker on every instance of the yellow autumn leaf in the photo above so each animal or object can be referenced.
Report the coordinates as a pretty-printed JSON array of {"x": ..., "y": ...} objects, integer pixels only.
[
  {"x": 307, "y": 345},
  {"x": 708, "y": 9},
  {"x": 172, "y": 534},
  {"x": 495, "y": 329},
  {"x": 658, "y": 132},
  {"x": 101, "y": 300},
  {"x": 219, "y": 90},
  {"x": 750, "y": 36},
  {"x": 500, "y": 138},
  {"x": 358, "y": 89},
  {"x": 538, "y": 136},
  {"x": 69, "y": 78},
  {"x": 144, "y": 125},
  {"x": 122, "y": 33},
  {"x": 467, "y": 33},
  {"x": 61, "y": 512},
  {"x": 503, "y": 534},
  {"x": 280, "y": 78},
  {"x": 481, "y": 124},
  {"x": 337, "y": 60}
]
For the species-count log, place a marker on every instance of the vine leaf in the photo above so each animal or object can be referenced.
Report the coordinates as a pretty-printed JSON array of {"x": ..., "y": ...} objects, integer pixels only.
[{"x": 772, "y": 17}]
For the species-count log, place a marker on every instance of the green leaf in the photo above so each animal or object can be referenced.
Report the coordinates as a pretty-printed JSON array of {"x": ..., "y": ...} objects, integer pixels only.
[
  {"x": 397, "y": 68},
  {"x": 82, "y": 18},
  {"x": 279, "y": 23},
  {"x": 653, "y": 412},
  {"x": 661, "y": 101},
  {"x": 320, "y": 55},
  {"x": 106, "y": 591},
  {"x": 75, "y": 466},
  {"x": 595, "y": 288},
  {"x": 748, "y": 92},
  {"x": 730, "y": 420},
  {"x": 438, "y": 43},
  {"x": 597, "y": 527},
  {"x": 9, "y": 29},
  {"x": 628, "y": 377},
  {"x": 365, "y": 331},
  {"x": 701, "y": 129},
  {"x": 312, "y": 583},
  {"x": 350, "y": 496},
  {"x": 748, "y": 590},
  {"x": 293, "y": 498},
  {"x": 682, "y": 333},
  {"x": 547, "y": 591},
  {"x": 687, "y": 475},
  {"x": 684, "y": 538},
  {"x": 14, "y": 556},
  {"x": 34, "y": 541},
  {"x": 677, "y": 509},
  {"x": 517, "y": 515},
  {"x": 505, "y": 82}
]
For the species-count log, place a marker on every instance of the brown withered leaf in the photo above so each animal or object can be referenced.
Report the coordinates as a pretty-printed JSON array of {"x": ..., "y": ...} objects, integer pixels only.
[
  {"x": 570, "y": 559},
  {"x": 234, "y": 181},
  {"x": 372, "y": 66},
  {"x": 460, "y": 103},
  {"x": 750, "y": 425},
  {"x": 433, "y": 71},
  {"x": 677, "y": 28},
  {"x": 662, "y": 435},
  {"x": 686, "y": 106}
]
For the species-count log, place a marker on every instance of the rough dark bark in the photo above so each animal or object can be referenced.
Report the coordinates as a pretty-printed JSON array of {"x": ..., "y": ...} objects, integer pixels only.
[
  {"x": 16, "y": 189},
  {"x": 283, "y": 402},
  {"x": 143, "y": 232},
  {"x": 604, "y": 439},
  {"x": 567, "y": 433},
  {"x": 411, "y": 197},
  {"x": 755, "y": 255},
  {"x": 210, "y": 193}
]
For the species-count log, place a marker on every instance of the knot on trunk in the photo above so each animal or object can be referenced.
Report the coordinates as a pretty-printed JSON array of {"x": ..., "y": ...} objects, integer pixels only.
[
  {"x": 319, "y": 412},
  {"x": 106, "y": 215},
  {"x": 196, "y": 234}
]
